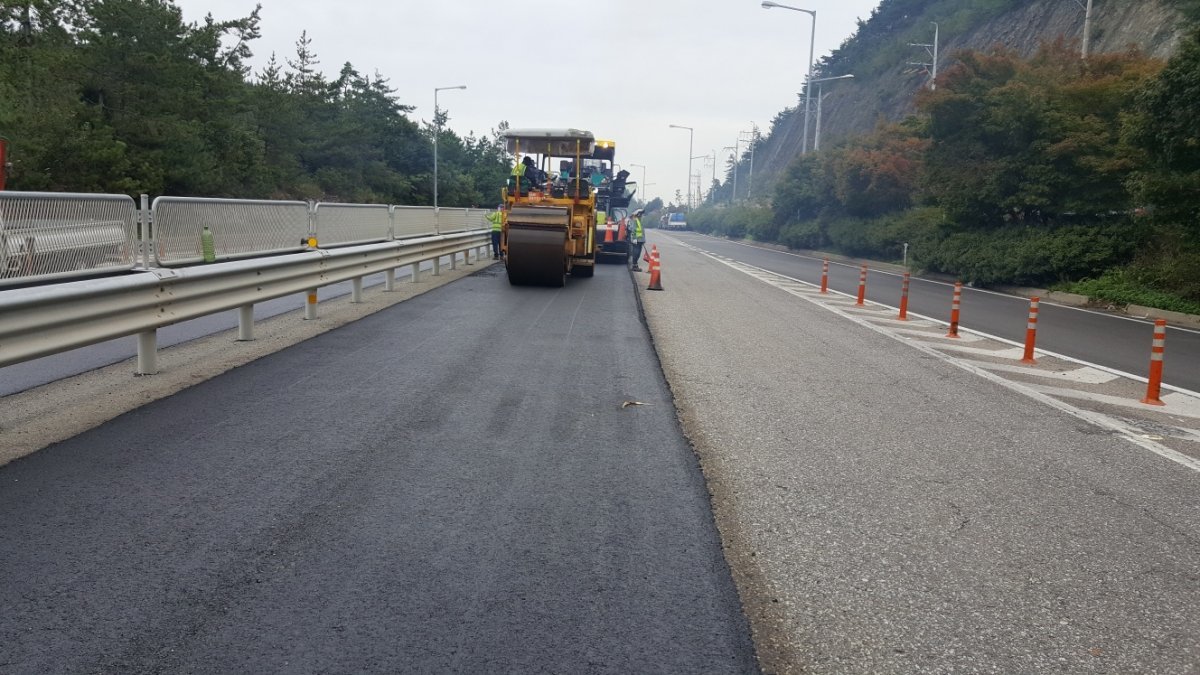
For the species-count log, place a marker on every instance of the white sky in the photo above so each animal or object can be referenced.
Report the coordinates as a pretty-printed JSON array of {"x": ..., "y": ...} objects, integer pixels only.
[{"x": 622, "y": 69}]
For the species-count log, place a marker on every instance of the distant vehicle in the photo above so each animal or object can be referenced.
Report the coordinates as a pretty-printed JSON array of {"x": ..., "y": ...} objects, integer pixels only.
[{"x": 676, "y": 221}]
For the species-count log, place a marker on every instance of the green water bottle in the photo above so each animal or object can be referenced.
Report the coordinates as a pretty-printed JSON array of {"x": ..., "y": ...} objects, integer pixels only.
[{"x": 207, "y": 247}]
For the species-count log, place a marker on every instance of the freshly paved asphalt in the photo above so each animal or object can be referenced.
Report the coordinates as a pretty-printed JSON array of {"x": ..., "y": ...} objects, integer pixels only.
[
  {"x": 1116, "y": 342},
  {"x": 449, "y": 485}
]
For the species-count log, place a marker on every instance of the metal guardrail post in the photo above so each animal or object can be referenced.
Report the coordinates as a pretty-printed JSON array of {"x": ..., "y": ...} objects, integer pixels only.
[
  {"x": 310, "y": 305},
  {"x": 246, "y": 323},
  {"x": 145, "y": 240},
  {"x": 437, "y": 266},
  {"x": 416, "y": 272},
  {"x": 147, "y": 353},
  {"x": 356, "y": 290}
]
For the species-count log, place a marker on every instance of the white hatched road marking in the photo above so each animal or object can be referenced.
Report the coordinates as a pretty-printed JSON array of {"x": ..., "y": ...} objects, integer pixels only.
[
  {"x": 1084, "y": 375},
  {"x": 1138, "y": 437},
  {"x": 1173, "y": 403},
  {"x": 962, "y": 337}
]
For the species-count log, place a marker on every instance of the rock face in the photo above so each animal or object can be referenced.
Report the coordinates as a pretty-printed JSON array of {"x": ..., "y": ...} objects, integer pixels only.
[{"x": 1152, "y": 26}]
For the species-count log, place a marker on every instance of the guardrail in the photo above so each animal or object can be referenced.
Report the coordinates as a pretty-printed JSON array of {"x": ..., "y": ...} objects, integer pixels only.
[{"x": 260, "y": 255}]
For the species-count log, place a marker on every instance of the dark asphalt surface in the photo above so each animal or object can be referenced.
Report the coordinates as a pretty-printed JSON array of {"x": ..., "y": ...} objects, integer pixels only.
[
  {"x": 449, "y": 485},
  {"x": 1112, "y": 341}
]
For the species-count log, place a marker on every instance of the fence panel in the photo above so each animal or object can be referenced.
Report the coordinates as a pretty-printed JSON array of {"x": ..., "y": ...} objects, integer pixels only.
[
  {"x": 54, "y": 235},
  {"x": 241, "y": 228},
  {"x": 348, "y": 224},
  {"x": 413, "y": 221}
]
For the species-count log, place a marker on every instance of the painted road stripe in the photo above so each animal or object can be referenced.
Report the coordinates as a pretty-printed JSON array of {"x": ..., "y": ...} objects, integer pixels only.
[
  {"x": 1010, "y": 353},
  {"x": 1084, "y": 375},
  {"x": 1135, "y": 436},
  {"x": 962, "y": 337},
  {"x": 1174, "y": 403}
]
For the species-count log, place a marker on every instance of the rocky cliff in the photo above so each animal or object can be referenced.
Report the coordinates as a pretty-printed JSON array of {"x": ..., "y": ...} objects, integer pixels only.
[{"x": 886, "y": 92}]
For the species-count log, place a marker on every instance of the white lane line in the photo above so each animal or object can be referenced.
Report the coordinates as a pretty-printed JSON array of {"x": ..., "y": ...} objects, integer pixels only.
[
  {"x": 1084, "y": 375},
  {"x": 1010, "y": 353},
  {"x": 1129, "y": 433},
  {"x": 1045, "y": 302},
  {"x": 964, "y": 337},
  {"x": 1174, "y": 404}
]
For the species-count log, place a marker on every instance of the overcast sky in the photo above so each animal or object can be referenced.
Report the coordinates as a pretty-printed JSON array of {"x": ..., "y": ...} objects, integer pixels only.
[{"x": 622, "y": 69}]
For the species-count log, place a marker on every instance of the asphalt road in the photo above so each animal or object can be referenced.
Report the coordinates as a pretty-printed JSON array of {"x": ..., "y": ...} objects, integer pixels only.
[
  {"x": 888, "y": 512},
  {"x": 1113, "y": 341},
  {"x": 450, "y": 485}
]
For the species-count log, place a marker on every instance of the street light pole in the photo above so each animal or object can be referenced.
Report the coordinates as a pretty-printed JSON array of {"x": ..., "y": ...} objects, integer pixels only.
[
  {"x": 767, "y": 4},
  {"x": 437, "y": 131},
  {"x": 643, "y": 183},
  {"x": 691, "y": 134},
  {"x": 819, "y": 83}
]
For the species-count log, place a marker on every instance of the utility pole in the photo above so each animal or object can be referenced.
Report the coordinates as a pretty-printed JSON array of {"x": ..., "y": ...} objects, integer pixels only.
[
  {"x": 734, "y": 149},
  {"x": 932, "y": 51},
  {"x": 751, "y": 141}
]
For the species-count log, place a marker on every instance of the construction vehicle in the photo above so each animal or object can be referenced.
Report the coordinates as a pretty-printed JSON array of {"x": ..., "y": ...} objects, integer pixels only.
[
  {"x": 613, "y": 194},
  {"x": 549, "y": 216}
]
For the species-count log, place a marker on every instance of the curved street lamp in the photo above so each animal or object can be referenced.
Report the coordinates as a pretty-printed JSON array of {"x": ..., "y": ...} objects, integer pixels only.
[
  {"x": 691, "y": 133},
  {"x": 437, "y": 131},
  {"x": 767, "y": 4}
]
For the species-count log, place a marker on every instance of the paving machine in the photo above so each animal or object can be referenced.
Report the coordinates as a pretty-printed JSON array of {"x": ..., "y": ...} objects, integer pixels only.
[
  {"x": 613, "y": 193},
  {"x": 549, "y": 209}
]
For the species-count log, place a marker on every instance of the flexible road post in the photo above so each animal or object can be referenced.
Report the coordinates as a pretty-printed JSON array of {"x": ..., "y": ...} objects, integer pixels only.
[
  {"x": 954, "y": 310},
  {"x": 147, "y": 353},
  {"x": 246, "y": 323},
  {"x": 389, "y": 280},
  {"x": 904, "y": 299},
  {"x": 1156, "y": 363},
  {"x": 862, "y": 285},
  {"x": 356, "y": 290},
  {"x": 1031, "y": 331},
  {"x": 825, "y": 275},
  {"x": 310, "y": 307}
]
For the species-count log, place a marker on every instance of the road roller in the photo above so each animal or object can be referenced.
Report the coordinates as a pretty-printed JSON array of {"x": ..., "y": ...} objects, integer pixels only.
[{"x": 550, "y": 207}]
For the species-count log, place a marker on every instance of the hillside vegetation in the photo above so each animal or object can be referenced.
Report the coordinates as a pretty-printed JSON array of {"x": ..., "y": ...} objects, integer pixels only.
[
  {"x": 123, "y": 96},
  {"x": 1039, "y": 170}
]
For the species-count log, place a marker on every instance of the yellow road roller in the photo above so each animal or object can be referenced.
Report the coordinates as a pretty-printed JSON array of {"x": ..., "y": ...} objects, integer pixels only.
[{"x": 549, "y": 207}]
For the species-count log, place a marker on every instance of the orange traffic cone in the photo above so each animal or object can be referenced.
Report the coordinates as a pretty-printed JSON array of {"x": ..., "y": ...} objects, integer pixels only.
[
  {"x": 655, "y": 271},
  {"x": 608, "y": 233},
  {"x": 621, "y": 231}
]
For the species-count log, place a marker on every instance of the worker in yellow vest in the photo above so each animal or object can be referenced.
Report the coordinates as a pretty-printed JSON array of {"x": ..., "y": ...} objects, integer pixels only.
[
  {"x": 496, "y": 218},
  {"x": 636, "y": 238}
]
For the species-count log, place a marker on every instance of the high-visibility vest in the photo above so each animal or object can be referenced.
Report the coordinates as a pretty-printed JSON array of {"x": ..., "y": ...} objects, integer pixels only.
[
  {"x": 601, "y": 218},
  {"x": 496, "y": 219},
  {"x": 637, "y": 228},
  {"x": 519, "y": 170}
]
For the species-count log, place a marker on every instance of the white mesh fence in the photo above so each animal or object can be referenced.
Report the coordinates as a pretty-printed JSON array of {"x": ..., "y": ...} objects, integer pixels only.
[
  {"x": 47, "y": 236},
  {"x": 346, "y": 224},
  {"x": 240, "y": 228},
  {"x": 413, "y": 221}
]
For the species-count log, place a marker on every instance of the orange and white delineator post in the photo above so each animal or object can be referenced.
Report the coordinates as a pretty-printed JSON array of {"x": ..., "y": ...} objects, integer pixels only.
[
  {"x": 954, "y": 306},
  {"x": 825, "y": 275},
  {"x": 1154, "y": 385},
  {"x": 1031, "y": 331},
  {"x": 904, "y": 299},
  {"x": 655, "y": 271},
  {"x": 862, "y": 285}
]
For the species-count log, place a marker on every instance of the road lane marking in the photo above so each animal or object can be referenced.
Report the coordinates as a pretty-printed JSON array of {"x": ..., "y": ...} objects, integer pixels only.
[
  {"x": 963, "y": 337},
  {"x": 1122, "y": 429},
  {"x": 1173, "y": 404},
  {"x": 1083, "y": 375}
]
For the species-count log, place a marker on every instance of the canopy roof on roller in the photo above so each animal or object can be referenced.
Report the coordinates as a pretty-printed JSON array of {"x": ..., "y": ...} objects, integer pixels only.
[{"x": 551, "y": 142}]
